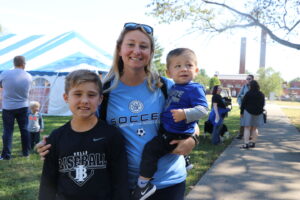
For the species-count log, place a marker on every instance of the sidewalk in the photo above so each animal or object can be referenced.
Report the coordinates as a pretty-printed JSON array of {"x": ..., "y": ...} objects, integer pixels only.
[{"x": 270, "y": 171}]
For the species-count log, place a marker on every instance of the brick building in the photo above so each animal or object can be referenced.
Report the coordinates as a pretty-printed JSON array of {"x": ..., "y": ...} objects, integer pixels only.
[{"x": 234, "y": 82}]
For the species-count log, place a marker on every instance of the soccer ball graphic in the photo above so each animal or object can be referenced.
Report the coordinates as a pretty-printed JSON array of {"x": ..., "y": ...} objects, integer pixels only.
[{"x": 140, "y": 132}]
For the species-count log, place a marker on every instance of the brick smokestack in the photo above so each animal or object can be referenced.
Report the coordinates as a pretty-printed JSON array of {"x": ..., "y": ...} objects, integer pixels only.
[
  {"x": 242, "y": 56},
  {"x": 263, "y": 40}
]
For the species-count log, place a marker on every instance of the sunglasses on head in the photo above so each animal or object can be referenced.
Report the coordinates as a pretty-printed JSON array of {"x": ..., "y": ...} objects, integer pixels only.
[{"x": 133, "y": 26}]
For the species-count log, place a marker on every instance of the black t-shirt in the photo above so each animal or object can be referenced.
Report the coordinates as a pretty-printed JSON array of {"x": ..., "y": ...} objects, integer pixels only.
[
  {"x": 216, "y": 98},
  {"x": 87, "y": 165}
]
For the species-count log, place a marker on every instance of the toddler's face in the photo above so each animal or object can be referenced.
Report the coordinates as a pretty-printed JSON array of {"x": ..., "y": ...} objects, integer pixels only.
[
  {"x": 183, "y": 68},
  {"x": 35, "y": 109}
]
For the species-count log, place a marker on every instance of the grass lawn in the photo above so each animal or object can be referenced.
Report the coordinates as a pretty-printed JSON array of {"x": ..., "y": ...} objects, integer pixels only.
[
  {"x": 19, "y": 177},
  {"x": 293, "y": 115}
]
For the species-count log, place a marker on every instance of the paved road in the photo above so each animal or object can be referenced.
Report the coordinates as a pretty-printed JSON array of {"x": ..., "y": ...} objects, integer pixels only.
[{"x": 271, "y": 171}]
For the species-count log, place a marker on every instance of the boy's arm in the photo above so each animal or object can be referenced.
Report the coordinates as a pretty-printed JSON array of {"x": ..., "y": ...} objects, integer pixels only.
[
  {"x": 119, "y": 167},
  {"x": 48, "y": 184},
  {"x": 196, "y": 113},
  {"x": 198, "y": 105}
]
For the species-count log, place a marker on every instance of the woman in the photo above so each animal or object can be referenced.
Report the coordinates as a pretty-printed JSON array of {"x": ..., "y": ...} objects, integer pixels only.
[
  {"x": 217, "y": 114},
  {"x": 252, "y": 109},
  {"x": 134, "y": 105}
]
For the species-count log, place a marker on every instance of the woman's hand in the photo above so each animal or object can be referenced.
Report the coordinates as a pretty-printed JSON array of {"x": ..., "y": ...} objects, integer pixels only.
[
  {"x": 42, "y": 148},
  {"x": 184, "y": 147}
]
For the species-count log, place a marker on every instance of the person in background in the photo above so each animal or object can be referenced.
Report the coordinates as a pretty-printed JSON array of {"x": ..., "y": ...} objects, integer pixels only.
[
  {"x": 134, "y": 106},
  {"x": 35, "y": 123},
  {"x": 214, "y": 81},
  {"x": 252, "y": 109},
  {"x": 16, "y": 85},
  {"x": 240, "y": 97},
  {"x": 217, "y": 114},
  {"x": 185, "y": 105},
  {"x": 87, "y": 160}
]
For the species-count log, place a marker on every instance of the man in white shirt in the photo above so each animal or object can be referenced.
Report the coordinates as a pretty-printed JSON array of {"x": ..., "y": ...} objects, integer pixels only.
[{"x": 16, "y": 84}]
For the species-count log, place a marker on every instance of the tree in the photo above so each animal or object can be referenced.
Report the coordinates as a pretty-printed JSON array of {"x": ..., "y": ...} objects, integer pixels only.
[
  {"x": 158, "y": 52},
  {"x": 279, "y": 19},
  {"x": 202, "y": 78},
  {"x": 214, "y": 81},
  {"x": 295, "y": 80},
  {"x": 269, "y": 81}
]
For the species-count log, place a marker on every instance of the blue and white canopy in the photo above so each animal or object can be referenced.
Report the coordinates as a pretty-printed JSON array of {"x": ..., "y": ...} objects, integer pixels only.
[
  {"x": 49, "y": 59},
  {"x": 53, "y": 53}
]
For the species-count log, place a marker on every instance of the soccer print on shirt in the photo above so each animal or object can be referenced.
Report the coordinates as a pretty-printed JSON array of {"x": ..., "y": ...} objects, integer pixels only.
[
  {"x": 140, "y": 132},
  {"x": 81, "y": 166},
  {"x": 136, "y": 106}
]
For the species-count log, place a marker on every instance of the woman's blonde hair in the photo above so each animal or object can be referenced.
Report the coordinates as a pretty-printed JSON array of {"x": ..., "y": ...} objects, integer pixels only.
[{"x": 117, "y": 68}]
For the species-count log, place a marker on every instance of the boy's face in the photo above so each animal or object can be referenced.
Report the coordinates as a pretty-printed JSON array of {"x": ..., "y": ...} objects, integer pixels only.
[
  {"x": 83, "y": 100},
  {"x": 35, "y": 109},
  {"x": 183, "y": 68}
]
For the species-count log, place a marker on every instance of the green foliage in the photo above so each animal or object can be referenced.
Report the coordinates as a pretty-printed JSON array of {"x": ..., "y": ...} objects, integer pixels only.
[
  {"x": 158, "y": 65},
  {"x": 295, "y": 80},
  {"x": 202, "y": 78},
  {"x": 214, "y": 81},
  {"x": 277, "y": 18},
  {"x": 269, "y": 81}
]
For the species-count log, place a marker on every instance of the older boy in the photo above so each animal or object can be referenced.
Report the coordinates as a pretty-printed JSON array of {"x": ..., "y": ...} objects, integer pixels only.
[{"x": 87, "y": 158}]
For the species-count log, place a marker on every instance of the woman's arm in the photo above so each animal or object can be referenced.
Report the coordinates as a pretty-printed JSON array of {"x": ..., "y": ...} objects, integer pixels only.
[
  {"x": 184, "y": 147},
  {"x": 215, "y": 107}
]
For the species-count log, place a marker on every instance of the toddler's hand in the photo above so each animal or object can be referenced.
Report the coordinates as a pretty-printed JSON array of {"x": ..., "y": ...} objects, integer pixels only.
[{"x": 178, "y": 115}]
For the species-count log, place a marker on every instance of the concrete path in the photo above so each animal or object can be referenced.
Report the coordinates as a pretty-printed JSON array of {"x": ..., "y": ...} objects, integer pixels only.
[{"x": 271, "y": 171}]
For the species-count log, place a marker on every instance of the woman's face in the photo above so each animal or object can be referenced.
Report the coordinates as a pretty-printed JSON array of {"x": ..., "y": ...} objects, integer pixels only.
[
  {"x": 219, "y": 90},
  {"x": 135, "y": 50}
]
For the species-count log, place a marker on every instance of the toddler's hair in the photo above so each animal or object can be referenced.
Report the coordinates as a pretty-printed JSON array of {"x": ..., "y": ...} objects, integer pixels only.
[
  {"x": 33, "y": 104},
  {"x": 82, "y": 76},
  {"x": 178, "y": 52}
]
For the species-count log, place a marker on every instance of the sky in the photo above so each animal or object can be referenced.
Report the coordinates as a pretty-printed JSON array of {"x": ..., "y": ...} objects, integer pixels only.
[{"x": 101, "y": 21}]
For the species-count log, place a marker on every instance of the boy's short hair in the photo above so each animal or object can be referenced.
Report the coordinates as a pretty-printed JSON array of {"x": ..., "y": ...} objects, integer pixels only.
[
  {"x": 34, "y": 103},
  {"x": 178, "y": 52},
  {"x": 19, "y": 61},
  {"x": 82, "y": 76}
]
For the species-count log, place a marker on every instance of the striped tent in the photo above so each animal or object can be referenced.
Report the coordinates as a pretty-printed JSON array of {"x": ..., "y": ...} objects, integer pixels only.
[{"x": 49, "y": 58}]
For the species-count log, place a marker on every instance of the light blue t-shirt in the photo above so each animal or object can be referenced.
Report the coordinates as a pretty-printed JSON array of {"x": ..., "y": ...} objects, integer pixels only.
[
  {"x": 136, "y": 111},
  {"x": 16, "y": 84}
]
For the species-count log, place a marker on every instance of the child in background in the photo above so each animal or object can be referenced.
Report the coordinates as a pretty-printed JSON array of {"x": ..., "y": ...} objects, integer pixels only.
[
  {"x": 185, "y": 105},
  {"x": 87, "y": 160},
  {"x": 35, "y": 123}
]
